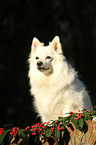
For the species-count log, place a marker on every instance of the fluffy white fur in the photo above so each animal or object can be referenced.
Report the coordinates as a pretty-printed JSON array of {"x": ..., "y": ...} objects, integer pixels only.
[{"x": 55, "y": 86}]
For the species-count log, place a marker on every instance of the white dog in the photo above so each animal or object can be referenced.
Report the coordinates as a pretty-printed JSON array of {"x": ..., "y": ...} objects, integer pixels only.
[{"x": 54, "y": 83}]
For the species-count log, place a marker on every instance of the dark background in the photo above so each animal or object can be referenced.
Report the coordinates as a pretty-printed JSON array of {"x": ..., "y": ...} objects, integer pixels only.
[{"x": 20, "y": 20}]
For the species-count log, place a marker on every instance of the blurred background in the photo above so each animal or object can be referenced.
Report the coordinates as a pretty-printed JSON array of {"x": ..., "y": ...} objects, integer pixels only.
[{"x": 73, "y": 21}]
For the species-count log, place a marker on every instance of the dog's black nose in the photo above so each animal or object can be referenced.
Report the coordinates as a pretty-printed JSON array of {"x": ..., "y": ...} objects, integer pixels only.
[{"x": 39, "y": 63}]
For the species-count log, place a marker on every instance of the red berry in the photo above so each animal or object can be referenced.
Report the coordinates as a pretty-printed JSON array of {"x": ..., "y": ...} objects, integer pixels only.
[
  {"x": 71, "y": 112},
  {"x": 56, "y": 121},
  {"x": 81, "y": 114}
]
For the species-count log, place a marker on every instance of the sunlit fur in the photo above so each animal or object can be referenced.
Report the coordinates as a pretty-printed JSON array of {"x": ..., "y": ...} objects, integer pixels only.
[{"x": 58, "y": 90}]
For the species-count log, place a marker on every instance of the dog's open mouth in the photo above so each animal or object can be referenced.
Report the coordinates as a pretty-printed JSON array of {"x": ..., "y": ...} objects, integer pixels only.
[{"x": 42, "y": 68}]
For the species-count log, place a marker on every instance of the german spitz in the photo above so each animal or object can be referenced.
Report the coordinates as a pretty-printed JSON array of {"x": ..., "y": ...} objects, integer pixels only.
[{"x": 54, "y": 83}]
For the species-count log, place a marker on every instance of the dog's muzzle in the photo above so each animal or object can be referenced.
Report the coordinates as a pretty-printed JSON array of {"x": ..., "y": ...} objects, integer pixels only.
[{"x": 41, "y": 67}]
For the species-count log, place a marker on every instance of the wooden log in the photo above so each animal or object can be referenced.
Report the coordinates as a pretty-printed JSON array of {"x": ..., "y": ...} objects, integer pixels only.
[{"x": 80, "y": 138}]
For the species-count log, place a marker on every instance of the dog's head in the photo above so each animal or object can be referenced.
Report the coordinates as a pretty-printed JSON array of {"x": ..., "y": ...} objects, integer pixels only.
[{"x": 45, "y": 57}]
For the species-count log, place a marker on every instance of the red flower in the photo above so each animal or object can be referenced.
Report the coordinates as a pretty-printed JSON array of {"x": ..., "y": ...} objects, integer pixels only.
[
  {"x": 43, "y": 123},
  {"x": 39, "y": 130},
  {"x": 89, "y": 105},
  {"x": 48, "y": 122},
  {"x": 1, "y": 130},
  {"x": 33, "y": 133},
  {"x": 43, "y": 127},
  {"x": 71, "y": 112},
  {"x": 81, "y": 114},
  {"x": 59, "y": 128},
  {"x": 11, "y": 133},
  {"x": 28, "y": 127},
  {"x": 56, "y": 121},
  {"x": 52, "y": 129},
  {"x": 78, "y": 114},
  {"x": 83, "y": 108},
  {"x": 14, "y": 135},
  {"x": 14, "y": 131},
  {"x": 86, "y": 111},
  {"x": 76, "y": 118}
]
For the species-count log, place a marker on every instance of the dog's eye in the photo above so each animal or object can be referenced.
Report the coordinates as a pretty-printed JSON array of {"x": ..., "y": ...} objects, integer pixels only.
[
  {"x": 48, "y": 57},
  {"x": 37, "y": 57}
]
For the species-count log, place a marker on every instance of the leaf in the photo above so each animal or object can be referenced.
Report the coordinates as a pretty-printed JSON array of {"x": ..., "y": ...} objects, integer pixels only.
[
  {"x": 22, "y": 133},
  {"x": 81, "y": 122},
  {"x": 27, "y": 131},
  {"x": 37, "y": 139},
  {"x": 62, "y": 134},
  {"x": 48, "y": 132},
  {"x": 2, "y": 136},
  {"x": 57, "y": 133},
  {"x": 74, "y": 122},
  {"x": 94, "y": 112},
  {"x": 10, "y": 137},
  {"x": 94, "y": 107},
  {"x": 66, "y": 123},
  {"x": 85, "y": 127},
  {"x": 67, "y": 117},
  {"x": 85, "y": 123}
]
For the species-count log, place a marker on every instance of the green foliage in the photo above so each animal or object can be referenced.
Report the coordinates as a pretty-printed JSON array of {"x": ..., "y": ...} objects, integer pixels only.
[
  {"x": 2, "y": 136},
  {"x": 43, "y": 131},
  {"x": 47, "y": 132}
]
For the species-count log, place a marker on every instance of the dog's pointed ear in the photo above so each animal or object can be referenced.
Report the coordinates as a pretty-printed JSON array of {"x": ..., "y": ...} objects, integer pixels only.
[
  {"x": 56, "y": 44},
  {"x": 35, "y": 44}
]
